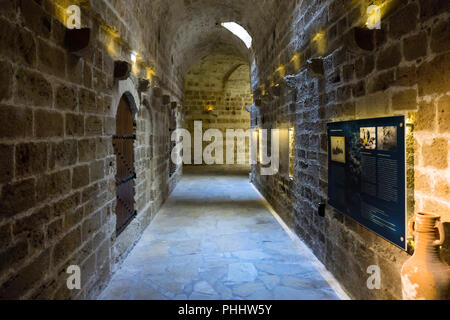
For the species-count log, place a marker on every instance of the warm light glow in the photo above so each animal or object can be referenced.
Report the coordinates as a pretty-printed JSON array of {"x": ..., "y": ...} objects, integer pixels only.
[
  {"x": 60, "y": 13},
  {"x": 112, "y": 39},
  {"x": 239, "y": 31},
  {"x": 263, "y": 89},
  {"x": 409, "y": 120},
  {"x": 296, "y": 61},
  {"x": 111, "y": 48},
  {"x": 291, "y": 152},
  {"x": 135, "y": 64},
  {"x": 210, "y": 108},
  {"x": 135, "y": 69},
  {"x": 260, "y": 144},
  {"x": 320, "y": 41},
  {"x": 271, "y": 81},
  {"x": 318, "y": 36},
  {"x": 150, "y": 74},
  {"x": 281, "y": 70},
  {"x": 60, "y": 9},
  {"x": 255, "y": 143},
  {"x": 377, "y": 11},
  {"x": 110, "y": 31}
]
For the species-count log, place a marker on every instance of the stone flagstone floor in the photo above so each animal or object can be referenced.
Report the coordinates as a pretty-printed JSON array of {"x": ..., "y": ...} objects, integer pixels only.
[{"x": 215, "y": 239}]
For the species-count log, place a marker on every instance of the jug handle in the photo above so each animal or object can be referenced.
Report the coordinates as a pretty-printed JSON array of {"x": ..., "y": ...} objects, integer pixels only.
[
  {"x": 441, "y": 240},
  {"x": 411, "y": 225}
]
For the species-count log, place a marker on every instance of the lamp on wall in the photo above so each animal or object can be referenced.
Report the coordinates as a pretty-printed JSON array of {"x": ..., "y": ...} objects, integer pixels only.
[
  {"x": 144, "y": 84},
  {"x": 360, "y": 40},
  {"x": 157, "y": 92},
  {"x": 155, "y": 84},
  {"x": 275, "y": 90},
  {"x": 122, "y": 70},
  {"x": 77, "y": 41},
  {"x": 211, "y": 110},
  {"x": 315, "y": 67},
  {"x": 165, "y": 99}
]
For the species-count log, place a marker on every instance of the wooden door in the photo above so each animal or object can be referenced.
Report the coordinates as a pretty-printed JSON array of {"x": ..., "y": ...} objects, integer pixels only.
[{"x": 123, "y": 143}]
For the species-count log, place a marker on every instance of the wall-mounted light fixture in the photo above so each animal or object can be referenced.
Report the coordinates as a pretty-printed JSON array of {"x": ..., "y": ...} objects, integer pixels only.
[
  {"x": 315, "y": 67},
  {"x": 281, "y": 70},
  {"x": 122, "y": 70},
  {"x": 151, "y": 75},
  {"x": 361, "y": 40},
  {"x": 144, "y": 85},
  {"x": 165, "y": 99},
  {"x": 211, "y": 110},
  {"x": 263, "y": 89},
  {"x": 77, "y": 41},
  {"x": 157, "y": 92},
  {"x": 275, "y": 90}
]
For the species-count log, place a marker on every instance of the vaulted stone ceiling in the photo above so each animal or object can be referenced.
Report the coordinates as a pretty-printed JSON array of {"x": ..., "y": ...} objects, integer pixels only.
[{"x": 189, "y": 27}]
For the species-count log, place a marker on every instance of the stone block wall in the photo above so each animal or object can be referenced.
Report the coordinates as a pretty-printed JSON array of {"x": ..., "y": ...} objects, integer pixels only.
[
  {"x": 57, "y": 119},
  {"x": 406, "y": 74},
  {"x": 221, "y": 82}
]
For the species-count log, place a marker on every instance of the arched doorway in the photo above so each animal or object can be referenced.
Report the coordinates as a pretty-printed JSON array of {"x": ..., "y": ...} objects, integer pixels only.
[
  {"x": 123, "y": 143},
  {"x": 172, "y": 128}
]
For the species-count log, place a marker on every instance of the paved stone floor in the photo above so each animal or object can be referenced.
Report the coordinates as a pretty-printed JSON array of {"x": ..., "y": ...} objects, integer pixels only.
[{"x": 215, "y": 239}]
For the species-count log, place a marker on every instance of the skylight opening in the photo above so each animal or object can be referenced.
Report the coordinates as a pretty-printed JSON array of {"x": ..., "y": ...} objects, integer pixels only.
[{"x": 239, "y": 31}]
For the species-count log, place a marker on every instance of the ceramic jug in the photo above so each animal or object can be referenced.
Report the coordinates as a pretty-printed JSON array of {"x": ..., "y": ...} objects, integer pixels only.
[{"x": 425, "y": 276}]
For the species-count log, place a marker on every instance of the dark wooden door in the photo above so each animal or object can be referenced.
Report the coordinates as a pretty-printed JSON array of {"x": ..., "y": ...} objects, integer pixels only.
[{"x": 123, "y": 143}]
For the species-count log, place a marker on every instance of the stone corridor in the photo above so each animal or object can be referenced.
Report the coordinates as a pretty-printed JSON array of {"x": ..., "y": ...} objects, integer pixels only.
[
  {"x": 106, "y": 105},
  {"x": 215, "y": 238}
]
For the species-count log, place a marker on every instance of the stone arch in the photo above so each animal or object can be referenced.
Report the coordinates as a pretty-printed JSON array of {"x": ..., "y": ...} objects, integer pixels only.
[
  {"x": 126, "y": 89},
  {"x": 151, "y": 112},
  {"x": 229, "y": 74},
  {"x": 238, "y": 77},
  {"x": 146, "y": 126},
  {"x": 144, "y": 153},
  {"x": 146, "y": 105}
]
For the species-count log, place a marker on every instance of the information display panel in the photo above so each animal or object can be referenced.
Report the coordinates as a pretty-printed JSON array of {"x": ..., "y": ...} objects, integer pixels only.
[{"x": 366, "y": 174}]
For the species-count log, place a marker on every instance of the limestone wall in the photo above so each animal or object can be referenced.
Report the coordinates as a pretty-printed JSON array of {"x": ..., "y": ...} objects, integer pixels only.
[
  {"x": 406, "y": 74},
  {"x": 222, "y": 83},
  {"x": 57, "y": 118}
]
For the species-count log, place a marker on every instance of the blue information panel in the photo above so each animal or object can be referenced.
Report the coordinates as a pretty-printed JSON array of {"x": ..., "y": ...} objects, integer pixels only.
[{"x": 366, "y": 174}]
